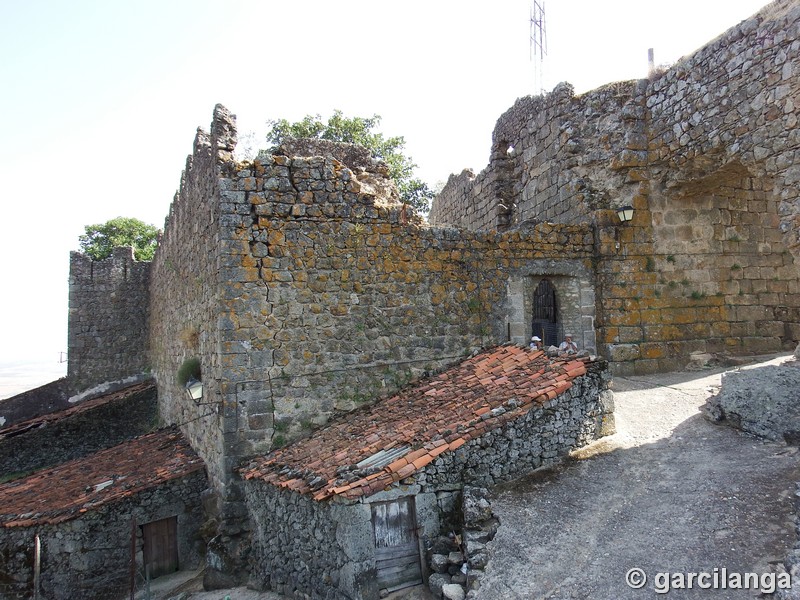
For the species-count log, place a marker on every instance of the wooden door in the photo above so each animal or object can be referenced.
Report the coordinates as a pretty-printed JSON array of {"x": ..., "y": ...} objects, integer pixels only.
[
  {"x": 161, "y": 546},
  {"x": 396, "y": 545}
]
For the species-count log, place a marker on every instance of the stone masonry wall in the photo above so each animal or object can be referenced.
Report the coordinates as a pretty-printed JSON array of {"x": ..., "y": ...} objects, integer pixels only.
[
  {"x": 89, "y": 557},
  {"x": 723, "y": 169},
  {"x": 73, "y": 436},
  {"x": 544, "y": 435},
  {"x": 107, "y": 330},
  {"x": 546, "y": 152},
  {"x": 305, "y": 288},
  {"x": 335, "y": 298},
  {"x": 303, "y": 548},
  {"x": 184, "y": 299},
  {"x": 705, "y": 152},
  {"x": 540, "y": 438}
]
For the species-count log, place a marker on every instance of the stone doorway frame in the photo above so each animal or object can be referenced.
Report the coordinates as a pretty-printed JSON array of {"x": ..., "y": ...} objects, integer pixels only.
[{"x": 575, "y": 294}]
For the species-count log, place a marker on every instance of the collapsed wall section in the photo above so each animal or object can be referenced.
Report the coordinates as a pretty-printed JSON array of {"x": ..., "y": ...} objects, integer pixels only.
[
  {"x": 550, "y": 160},
  {"x": 107, "y": 328},
  {"x": 705, "y": 153}
]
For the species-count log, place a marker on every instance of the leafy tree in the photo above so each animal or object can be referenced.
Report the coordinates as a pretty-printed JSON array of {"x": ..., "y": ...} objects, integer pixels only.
[
  {"x": 100, "y": 240},
  {"x": 359, "y": 130}
]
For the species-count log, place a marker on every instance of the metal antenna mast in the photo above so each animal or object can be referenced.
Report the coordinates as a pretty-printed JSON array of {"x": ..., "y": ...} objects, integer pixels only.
[{"x": 538, "y": 44}]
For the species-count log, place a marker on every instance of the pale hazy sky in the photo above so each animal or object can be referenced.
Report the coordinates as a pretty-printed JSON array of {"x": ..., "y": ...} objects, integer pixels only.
[{"x": 101, "y": 100}]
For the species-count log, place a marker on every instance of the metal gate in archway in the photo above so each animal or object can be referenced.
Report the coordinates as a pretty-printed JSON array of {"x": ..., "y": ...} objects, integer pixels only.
[{"x": 545, "y": 314}]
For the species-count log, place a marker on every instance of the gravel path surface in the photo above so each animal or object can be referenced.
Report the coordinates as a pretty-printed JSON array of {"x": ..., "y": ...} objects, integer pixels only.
[{"x": 670, "y": 492}]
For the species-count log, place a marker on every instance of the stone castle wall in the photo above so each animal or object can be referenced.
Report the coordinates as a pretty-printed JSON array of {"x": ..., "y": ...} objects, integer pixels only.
[
  {"x": 723, "y": 169},
  {"x": 305, "y": 289},
  {"x": 706, "y": 154},
  {"x": 184, "y": 297},
  {"x": 545, "y": 155},
  {"x": 337, "y": 299},
  {"x": 107, "y": 331}
]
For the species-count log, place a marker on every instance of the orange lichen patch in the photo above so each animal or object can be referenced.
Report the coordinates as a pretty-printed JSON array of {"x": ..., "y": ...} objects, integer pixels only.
[
  {"x": 107, "y": 476},
  {"x": 403, "y": 434}
]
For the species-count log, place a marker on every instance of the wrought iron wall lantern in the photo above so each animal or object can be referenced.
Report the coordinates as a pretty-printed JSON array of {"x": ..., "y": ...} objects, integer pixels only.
[
  {"x": 194, "y": 389},
  {"x": 625, "y": 213},
  {"x": 189, "y": 376}
]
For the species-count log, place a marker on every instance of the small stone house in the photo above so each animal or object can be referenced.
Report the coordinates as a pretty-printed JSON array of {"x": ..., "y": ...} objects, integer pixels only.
[
  {"x": 92, "y": 527},
  {"x": 360, "y": 506}
]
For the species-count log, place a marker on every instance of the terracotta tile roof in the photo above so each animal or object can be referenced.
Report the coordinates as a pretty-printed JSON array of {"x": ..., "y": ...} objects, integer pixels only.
[
  {"x": 413, "y": 427},
  {"x": 72, "y": 488},
  {"x": 83, "y": 406}
]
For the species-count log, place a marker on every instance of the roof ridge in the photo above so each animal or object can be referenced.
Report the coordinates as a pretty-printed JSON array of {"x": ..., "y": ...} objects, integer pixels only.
[
  {"x": 433, "y": 415},
  {"x": 142, "y": 462}
]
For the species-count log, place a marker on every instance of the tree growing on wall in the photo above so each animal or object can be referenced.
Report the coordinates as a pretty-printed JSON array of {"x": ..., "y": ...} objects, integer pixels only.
[
  {"x": 100, "y": 240},
  {"x": 361, "y": 131}
]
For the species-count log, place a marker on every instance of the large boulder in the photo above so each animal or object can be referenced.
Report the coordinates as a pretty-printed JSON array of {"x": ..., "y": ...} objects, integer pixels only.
[{"x": 763, "y": 401}]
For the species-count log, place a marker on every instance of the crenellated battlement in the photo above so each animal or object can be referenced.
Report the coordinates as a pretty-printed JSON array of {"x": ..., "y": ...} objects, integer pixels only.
[{"x": 107, "y": 335}]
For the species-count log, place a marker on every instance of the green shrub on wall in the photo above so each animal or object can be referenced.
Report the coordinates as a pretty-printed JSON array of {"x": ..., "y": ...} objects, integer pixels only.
[{"x": 189, "y": 369}]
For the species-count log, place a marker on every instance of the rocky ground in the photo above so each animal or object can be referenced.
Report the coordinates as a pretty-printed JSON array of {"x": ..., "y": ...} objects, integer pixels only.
[
  {"x": 761, "y": 400},
  {"x": 669, "y": 493}
]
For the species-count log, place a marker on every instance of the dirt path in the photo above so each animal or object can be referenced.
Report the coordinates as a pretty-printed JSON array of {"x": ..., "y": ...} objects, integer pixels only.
[{"x": 670, "y": 492}]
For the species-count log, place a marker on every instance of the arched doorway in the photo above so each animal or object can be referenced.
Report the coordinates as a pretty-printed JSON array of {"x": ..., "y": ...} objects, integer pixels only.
[{"x": 545, "y": 314}]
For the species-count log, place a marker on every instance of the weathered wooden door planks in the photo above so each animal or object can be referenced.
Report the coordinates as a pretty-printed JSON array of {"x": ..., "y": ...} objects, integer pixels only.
[
  {"x": 396, "y": 544},
  {"x": 161, "y": 546}
]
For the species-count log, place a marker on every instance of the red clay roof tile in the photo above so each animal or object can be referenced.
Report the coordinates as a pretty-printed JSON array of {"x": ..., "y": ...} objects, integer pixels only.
[
  {"x": 64, "y": 492},
  {"x": 411, "y": 457},
  {"x": 405, "y": 471},
  {"x": 432, "y": 416},
  {"x": 439, "y": 449},
  {"x": 457, "y": 443},
  {"x": 423, "y": 461}
]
